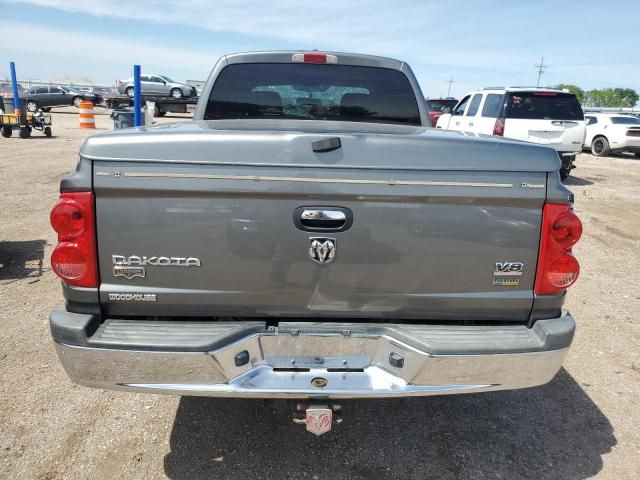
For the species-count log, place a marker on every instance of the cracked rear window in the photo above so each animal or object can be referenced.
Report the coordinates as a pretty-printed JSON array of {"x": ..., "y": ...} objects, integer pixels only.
[{"x": 304, "y": 91}]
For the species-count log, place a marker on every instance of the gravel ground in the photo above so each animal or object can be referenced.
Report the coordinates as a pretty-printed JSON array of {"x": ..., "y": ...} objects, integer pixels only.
[{"x": 584, "y": 424}]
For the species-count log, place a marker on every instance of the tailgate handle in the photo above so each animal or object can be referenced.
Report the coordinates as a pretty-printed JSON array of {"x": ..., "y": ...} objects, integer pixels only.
[
  {"x": 336, "y": 219},
  {"x": 326, "y": 144}
]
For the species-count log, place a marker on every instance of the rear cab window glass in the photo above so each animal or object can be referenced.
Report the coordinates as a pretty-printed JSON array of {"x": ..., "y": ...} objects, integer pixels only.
[
  {"x": 459, "y": 110},
  {"x": 474, "y": 105},
  {"x": 439, "y": 105},
  {"x": 492, "y": 105},
  {"x": 305, "y": 91},
  {"x": 543, "y": 106}
]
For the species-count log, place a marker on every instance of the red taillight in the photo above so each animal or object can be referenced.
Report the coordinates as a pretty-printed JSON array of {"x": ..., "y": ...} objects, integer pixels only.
[
  {"x": 498, "y": 127},
  {"x": 558, "y": 269},
  {"x": 74, "y": 258},
  {"x": 69, "y": 261},
  {"x": 566, "y": 229},
  {"x": 313, "y": 57},
  {"x": 68, "y": 219},
  {"x": 562, "y": 272}
]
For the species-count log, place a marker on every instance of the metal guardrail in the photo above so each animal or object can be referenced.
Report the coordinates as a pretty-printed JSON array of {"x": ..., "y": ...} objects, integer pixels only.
[{"x": 31, "y": 82}]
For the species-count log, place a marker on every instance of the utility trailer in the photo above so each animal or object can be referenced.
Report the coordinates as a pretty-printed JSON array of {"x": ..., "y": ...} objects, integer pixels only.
[
  {"x": 164, "y": 105},
  {"x": 25, "y": 123}
]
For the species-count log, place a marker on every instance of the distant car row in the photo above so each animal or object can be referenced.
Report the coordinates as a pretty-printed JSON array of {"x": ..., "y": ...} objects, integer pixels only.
[
  {"x": 47, "y": 97},
  {"x": 541, "y": 115}
]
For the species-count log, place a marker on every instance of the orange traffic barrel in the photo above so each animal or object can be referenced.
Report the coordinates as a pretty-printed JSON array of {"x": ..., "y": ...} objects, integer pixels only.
[{"x": 87, "y": 119}]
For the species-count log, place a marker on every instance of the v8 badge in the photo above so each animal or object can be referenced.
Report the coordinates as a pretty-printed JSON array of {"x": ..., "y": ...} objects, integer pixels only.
[{"x": 507, "y": 274}]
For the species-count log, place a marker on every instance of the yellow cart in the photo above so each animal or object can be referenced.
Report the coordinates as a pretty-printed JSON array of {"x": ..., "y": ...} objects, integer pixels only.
[{"x": 25, "y": 123}]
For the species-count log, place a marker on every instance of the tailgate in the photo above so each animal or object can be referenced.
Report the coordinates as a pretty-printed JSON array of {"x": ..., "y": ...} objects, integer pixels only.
[
  {"x": 563, "y": 135},
  {"x": 436, "y": 226}
]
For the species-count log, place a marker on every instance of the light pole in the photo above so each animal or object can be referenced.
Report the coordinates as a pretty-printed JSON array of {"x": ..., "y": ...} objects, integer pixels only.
[
  {"x": 541, "y": 68},
  {"x": 451, "y": 80}
]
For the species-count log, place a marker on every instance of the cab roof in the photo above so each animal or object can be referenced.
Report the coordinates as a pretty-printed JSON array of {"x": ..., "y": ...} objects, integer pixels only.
[
  {"x": 287, "y": 56},
  {"x": 526, "y": 89}
]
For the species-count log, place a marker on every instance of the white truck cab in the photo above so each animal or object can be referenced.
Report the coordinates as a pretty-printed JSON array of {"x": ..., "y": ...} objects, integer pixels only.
[{"x": 539, "y": 115}]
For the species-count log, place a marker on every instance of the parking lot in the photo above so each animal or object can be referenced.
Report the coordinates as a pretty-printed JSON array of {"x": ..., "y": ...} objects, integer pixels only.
[{"x": 584, "y": 424}]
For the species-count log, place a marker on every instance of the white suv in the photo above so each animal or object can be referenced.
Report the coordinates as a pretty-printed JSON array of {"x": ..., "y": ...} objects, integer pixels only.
[{"x": 539, "y": 115}]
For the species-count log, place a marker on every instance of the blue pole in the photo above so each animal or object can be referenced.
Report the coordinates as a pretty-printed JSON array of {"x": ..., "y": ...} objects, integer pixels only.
[
  {"x": 137, "y": 120},
  {"x": 16, "y": 98}
]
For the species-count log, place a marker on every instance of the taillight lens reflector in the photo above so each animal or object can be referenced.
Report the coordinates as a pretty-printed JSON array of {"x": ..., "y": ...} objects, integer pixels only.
[
  {"x": 562, "y": 271},
  {"x": 69, "y": 261},
  {"x": 74, "y": 259},
  {"x": 557, "y": 269}
]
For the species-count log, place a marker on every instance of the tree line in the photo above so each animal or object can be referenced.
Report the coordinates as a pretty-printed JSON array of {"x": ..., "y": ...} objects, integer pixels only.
[{"x": 605, "y": 98}]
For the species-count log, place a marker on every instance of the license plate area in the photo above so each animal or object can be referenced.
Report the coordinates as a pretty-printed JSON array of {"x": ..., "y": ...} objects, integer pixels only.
[
  {"x": 331, "y": 363},
  {"x": 546, "y": 136},
  {"x": 329, "y": 355}
]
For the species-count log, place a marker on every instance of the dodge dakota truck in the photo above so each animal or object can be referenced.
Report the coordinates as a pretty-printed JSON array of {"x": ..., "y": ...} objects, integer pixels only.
[{"x": 309, "y": 237}]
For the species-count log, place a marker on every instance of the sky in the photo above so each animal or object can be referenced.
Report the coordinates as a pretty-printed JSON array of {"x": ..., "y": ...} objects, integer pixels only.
[{"x": 589, "y": 43}]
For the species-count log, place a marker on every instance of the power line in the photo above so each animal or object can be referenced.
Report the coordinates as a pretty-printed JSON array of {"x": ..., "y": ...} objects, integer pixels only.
[
  {"x": 451, "y": 80},
  {"x": 540, "y": 68}
]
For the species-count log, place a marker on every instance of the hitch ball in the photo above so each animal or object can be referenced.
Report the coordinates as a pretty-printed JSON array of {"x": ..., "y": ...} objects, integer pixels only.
[{"x": 319, "y": 382}]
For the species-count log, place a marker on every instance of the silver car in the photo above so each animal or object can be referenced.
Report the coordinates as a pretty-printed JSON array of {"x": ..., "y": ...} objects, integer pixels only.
[{"x": 159, "y": 85}]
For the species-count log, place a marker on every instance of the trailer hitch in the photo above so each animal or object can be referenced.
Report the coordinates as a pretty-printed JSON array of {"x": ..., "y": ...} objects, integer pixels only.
[{"x": 317, "y": 416}]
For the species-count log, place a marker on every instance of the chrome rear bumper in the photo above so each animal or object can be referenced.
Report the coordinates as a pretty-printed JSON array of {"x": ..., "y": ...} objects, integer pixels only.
[{"x": 354, "y": 360}]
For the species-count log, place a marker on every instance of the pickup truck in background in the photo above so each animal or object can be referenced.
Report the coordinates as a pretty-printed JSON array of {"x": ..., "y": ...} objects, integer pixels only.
[
  {"x": 308, "y": 237},
  {"x": 538, "y": 115},
  {"x": 437, "y": 106}
]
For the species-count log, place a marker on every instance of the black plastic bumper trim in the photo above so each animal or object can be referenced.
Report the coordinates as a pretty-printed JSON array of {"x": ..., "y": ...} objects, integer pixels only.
[{"x": 203, "y": 336}]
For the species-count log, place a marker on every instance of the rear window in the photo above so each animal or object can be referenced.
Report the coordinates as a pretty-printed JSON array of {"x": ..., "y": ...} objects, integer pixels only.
[
  {"x": 625, "y": 120},
  {"x": 543, "y": 106},
  {"x": 305, "y": 91},
  {"x": 438, "y": 105}
]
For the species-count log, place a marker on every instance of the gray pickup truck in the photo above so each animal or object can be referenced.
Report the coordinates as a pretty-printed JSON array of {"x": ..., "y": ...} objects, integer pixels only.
[{"x": 308, "y": 237}]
